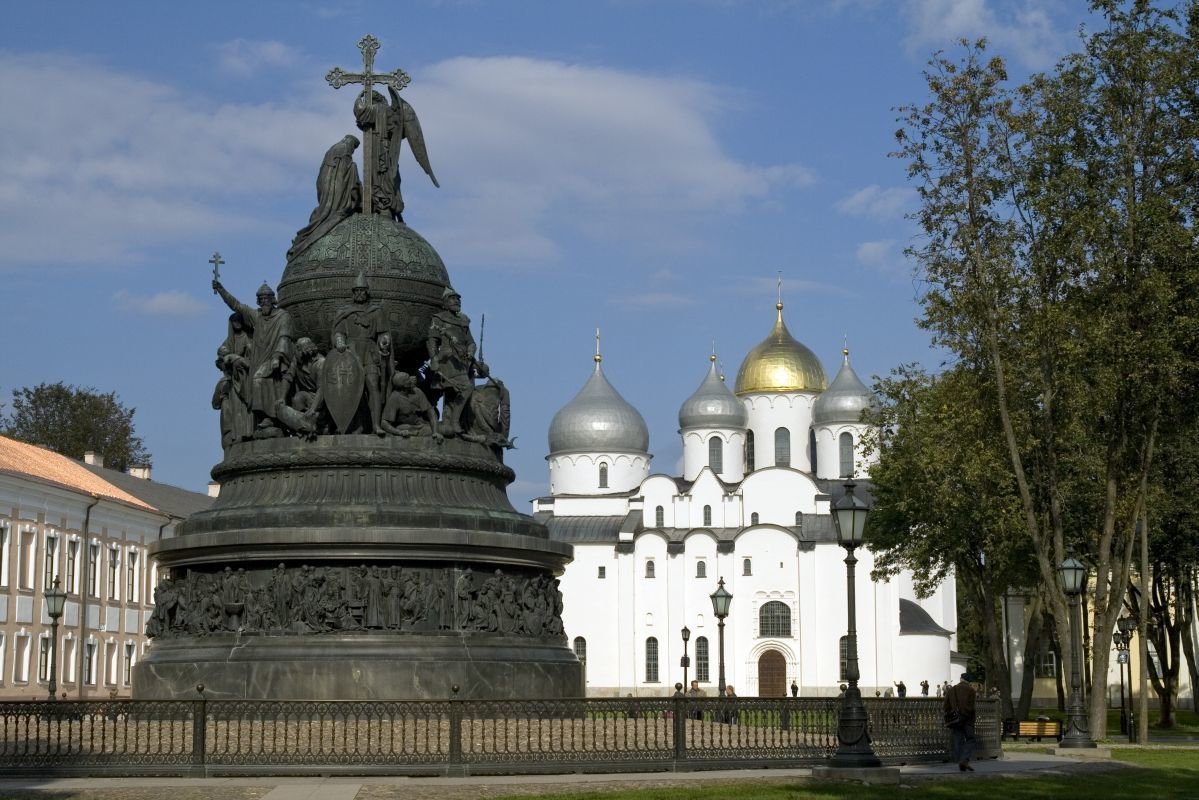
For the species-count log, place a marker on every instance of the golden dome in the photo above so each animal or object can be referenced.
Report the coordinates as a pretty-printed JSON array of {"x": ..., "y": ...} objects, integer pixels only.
[{"x": 780, "y": 364}]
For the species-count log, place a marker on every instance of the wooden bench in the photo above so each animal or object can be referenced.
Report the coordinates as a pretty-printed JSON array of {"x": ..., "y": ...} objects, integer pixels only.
[{"x": 1035, "y": 729}]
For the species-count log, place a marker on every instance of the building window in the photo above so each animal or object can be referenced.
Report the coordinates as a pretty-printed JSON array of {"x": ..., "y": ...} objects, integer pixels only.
[
  {"x": 707, "y": 515},
  {"x": 716, "y": 454},
  {"x": 603, "y": 476},
  {"x": 701, "y": 659},
  {"x": 749, "y": 451},
  {"x": 601, "y": 572},
  {"x": 701, "y": 569},
  {"x": 51, "y": 558},
  {"x": 3, "y": 653},
  {"x": 130, "y": 655},
  {"x": 20, "y": 663},
  {"x": 25, "y": 564},
  {"x": 753, "y": 518},
  {"x": 649, "y": 568},
  {"x": 93, "y": 569},
  {"x": 110, "y": 651},
  {"x": 812, "y": 451},
  {"x": 782, "y": 447},
  {"x": 844, "y": 658},
  {"x": 68, "y": 660},
  {"x": 846, "y": 443},
  {"x": 1045, "y": 665},
  {"x": 3, "y": 560},
  {"x": 651, "y": 660},
  {"x": 114, "y": 557},
  {"x": 774, "y": 619},
  {"x": 747, "y": 567},
  {"x": 660, "y": 517},
  {"x": 581, "y": 649},
  {"x": 43, "y": 658},
  {"x": 131, "y": 577},
  {"x": 72, "y": 562},
  {"x": 799, "y": 519}
]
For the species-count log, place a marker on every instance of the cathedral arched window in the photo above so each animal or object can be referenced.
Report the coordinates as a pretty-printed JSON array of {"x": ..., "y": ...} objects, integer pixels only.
[
  {"x": 798, "y": 519},
  {"x": 603, "y": 476},
  {"x": 782, "y": 447},
  {"x": 812, "y": 449},
  {"x": 707, "y": 515},
  {"x": 651, "y": 660},
  {"x": 846, "y": 443},
  {"x": 749, "y": 451},
  {"x": 716, "y": 454},
  {"x": 659, "y": 517},
  {"x": 649, "y": 568},
  {"x": 774, "y": 619},
  {"x": 747, "y": 567},
  {"x": 701, "y": 569},
  {"x": 753, "y": 518},
  {"x": 581, "y": 648},
  {"x": 701, "y": 660}
]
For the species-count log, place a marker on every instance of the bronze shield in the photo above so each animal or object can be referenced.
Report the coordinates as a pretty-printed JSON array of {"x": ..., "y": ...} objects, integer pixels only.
[{"x": 342, "y": 382}]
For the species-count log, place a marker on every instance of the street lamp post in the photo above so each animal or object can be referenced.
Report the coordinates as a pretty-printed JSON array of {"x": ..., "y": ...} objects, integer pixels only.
[
  {"x": 853, "y": 727},
  {"x": 1073, "y": 576},
  {"x": 1123, "y": 637},
  {"x": 56, "y": 598},
  {"x": 722, "y": 598},
  {"x": 685, "y": 661}
]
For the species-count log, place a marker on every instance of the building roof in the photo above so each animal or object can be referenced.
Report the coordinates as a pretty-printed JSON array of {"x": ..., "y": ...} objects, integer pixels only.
[
  {"x": 168, "y": 499},
  {"x": 915, "y": 621},
  {"x": 46, "y": 466},
  {"x": 585, "y": 529},
  {"x": 780, "y": 364},
  {"x": 845, "y": 399},
  {"x": 598, "y": 420},
  {"x": 713, "y": 405}
]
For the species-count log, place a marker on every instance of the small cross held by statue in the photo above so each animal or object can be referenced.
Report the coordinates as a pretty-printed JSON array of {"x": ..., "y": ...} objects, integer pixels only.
[{"x": 216, "y": 262}]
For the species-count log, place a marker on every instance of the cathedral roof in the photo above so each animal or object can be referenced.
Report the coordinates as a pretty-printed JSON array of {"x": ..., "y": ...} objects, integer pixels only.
[
  {"x": 598, "y": 420},
  {"x": 780, "y": 364},
  {"x": 713, "y": 405},
  {"x": 845, "y": 399}
]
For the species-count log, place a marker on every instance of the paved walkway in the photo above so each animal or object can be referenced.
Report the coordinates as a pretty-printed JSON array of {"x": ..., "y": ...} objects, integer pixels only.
[{"x": 382, "y": 788}]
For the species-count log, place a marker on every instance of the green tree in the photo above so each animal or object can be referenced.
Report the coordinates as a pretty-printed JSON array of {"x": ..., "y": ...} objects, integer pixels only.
[
  {"x": 1058, "y": 249},
  {"x": 945, "y": 501},
  {"x": 73, "y": 420}
]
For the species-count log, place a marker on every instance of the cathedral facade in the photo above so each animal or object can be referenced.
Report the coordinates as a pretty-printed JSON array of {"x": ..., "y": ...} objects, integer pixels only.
[{"x": 762, "y": 465}]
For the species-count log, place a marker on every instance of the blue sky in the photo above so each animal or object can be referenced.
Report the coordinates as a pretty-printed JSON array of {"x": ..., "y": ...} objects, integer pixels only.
[{"x": 647, "y": 168}]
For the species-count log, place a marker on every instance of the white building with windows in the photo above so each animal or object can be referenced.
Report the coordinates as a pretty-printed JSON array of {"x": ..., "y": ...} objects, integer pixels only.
[
  {"x": 88, "y": 527},
  {"x": 762, "y": 464}
]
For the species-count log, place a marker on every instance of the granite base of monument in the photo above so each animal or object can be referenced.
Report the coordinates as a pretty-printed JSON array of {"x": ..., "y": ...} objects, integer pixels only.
[{"x": 349, "y": 668}]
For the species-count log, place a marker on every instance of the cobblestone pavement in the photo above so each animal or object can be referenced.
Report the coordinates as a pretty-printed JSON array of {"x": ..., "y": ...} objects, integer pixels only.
[{"x": 741, "y": 783}]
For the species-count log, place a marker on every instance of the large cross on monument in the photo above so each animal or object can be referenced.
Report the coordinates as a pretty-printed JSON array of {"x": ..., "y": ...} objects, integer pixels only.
[{"x": 397, "y": 79}]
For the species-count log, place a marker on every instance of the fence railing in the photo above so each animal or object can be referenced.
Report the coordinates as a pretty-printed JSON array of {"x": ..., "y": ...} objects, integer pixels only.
[{"x": 457, "y": 737}]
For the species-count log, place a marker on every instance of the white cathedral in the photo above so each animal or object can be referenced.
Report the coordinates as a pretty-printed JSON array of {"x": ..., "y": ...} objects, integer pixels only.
[{"x": 762, "y": 465}]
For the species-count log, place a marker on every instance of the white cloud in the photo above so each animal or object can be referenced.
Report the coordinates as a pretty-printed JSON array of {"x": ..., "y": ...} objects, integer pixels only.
[
  {"x": 1023, "y": 29},
  {"x": 875, "y": 201},
  {"x": 244, "y": 57},
  {"x": 655, "y": 300},
  {"x": 877, "y": 254},
  {"x": 168, "y": 304},
  {"x": 528, "y": 152}
]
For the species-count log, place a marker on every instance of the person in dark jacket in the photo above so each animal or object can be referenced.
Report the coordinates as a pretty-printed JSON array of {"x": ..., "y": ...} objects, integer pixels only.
[{"x": 959, "y": 707}]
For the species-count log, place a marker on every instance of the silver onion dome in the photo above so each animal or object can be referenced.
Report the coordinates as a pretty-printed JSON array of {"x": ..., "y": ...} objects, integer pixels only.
[
  {"x": 598, "y": 420},
  {"x": 713, "y": 405},
  {"x": 845, "y": 399}
]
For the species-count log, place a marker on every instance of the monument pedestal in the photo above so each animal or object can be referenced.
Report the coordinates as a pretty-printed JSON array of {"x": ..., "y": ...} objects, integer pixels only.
[{"x": 359, "y": 567}]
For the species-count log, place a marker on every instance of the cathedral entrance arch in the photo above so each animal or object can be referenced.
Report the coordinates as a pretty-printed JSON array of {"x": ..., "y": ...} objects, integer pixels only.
[{"x": 772, "y": 674}]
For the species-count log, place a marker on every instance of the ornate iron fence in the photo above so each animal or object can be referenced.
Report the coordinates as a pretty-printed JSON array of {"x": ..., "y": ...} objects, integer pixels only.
[{"x": 457, "y": 737}]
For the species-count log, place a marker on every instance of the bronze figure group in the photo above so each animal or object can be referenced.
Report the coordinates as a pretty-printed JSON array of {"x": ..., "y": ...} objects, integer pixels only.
[{"x": 274, "y": 384}]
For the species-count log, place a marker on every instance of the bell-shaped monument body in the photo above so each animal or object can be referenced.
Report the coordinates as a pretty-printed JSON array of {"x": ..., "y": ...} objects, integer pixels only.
[{"x": 362, "y": 545}]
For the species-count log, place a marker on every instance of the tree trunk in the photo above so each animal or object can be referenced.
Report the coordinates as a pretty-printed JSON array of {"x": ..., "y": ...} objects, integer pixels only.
[{"x": 1032, "y": 645}]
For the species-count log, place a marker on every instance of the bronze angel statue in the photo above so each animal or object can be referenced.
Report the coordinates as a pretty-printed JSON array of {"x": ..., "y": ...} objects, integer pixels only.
[{"x": 387, "y": 125}]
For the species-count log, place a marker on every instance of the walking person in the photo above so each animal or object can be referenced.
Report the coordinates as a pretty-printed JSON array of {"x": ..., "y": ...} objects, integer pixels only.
[
  {"x": 924, "y": 688},
  {"x": 959, "y": 718},
  {"x": 901, "y": 689}
]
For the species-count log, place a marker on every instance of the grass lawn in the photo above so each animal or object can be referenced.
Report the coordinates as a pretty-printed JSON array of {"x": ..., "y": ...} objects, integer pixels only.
[{"x": 1165, "y": 773}]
